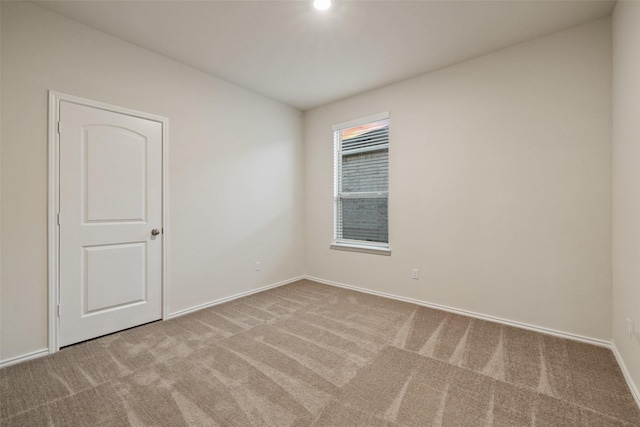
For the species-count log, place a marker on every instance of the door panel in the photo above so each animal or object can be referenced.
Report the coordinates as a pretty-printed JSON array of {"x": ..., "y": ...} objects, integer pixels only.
[
  {"x": 105, "y": 288},
  {"x": 110, "y": 200},
  {"x": 114, "y": 174}
]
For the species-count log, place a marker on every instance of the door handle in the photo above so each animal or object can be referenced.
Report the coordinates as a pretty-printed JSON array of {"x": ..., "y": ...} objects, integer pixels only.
[{"x": 155, "y": 232}]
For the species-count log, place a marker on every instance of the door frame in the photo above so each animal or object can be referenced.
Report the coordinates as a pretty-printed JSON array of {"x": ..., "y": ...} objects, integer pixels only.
[{"x": 53, "y": 205}]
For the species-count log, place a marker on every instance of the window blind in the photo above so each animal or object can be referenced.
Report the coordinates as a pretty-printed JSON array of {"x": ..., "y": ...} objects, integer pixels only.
[{"x": 361, "y": 183}]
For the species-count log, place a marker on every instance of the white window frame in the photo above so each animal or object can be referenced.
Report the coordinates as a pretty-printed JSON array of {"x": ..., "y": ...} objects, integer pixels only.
[{"x": 347, "y": 244}]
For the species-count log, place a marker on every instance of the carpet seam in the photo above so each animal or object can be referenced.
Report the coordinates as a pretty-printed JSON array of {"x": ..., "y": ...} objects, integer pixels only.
[{"x": 384, "y": 337}]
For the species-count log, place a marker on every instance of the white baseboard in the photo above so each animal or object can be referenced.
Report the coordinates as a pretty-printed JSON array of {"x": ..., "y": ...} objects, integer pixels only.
[
  {"x": 602, "y": 343},
  {"x": 232, "y": 297},
  {"x": 24, "y": 357},
  {"x": 595, "y": 341},
  {"x": 45, "y": 352},
  {"x": 548, "y": 331},
  {"x": 635, "y": 391},
  {"x": 627, "y": 376}
]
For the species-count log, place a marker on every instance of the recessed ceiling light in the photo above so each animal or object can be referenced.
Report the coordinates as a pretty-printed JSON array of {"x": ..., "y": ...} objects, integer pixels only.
[{"x": 322, "y": 4}]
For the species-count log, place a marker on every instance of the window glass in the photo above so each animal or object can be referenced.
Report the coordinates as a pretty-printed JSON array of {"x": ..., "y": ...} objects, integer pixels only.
[{"x": 362, "y": 183}]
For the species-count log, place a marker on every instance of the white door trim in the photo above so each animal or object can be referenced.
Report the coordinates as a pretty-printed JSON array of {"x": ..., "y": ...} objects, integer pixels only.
[{"x": 53, "y": 204}]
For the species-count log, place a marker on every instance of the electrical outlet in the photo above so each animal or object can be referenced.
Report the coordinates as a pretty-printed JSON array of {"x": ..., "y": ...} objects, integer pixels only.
[
  {"x": 414, "y": 274},
  {"x": 629, "y": 328},
  {"x": 258, "y": 266}
]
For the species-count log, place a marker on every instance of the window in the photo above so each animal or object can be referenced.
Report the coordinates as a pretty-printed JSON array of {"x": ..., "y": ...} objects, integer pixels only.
[{"x": 361, "y": 184}]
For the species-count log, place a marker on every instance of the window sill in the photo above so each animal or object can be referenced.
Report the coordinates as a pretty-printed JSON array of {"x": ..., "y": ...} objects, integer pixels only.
[{"x": 361, "y": 248}]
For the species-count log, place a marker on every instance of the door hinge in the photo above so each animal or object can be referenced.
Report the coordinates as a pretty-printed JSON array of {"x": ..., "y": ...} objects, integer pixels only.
[
  {"x": 58, "y": 218},
  {"x": 58, "y": 127},
  {"x": 58, "y": 310}
]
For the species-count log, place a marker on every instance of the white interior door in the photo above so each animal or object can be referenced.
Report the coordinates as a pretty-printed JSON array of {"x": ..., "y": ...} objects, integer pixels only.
[{"x": 110, "y": 204}]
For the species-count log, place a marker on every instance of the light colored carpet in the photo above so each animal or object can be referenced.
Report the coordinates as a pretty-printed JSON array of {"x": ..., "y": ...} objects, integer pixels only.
[{"x": 308, "y": 354}]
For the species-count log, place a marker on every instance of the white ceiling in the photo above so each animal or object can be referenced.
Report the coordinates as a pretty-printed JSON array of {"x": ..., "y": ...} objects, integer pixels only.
[{"x": 305, "y": 58}]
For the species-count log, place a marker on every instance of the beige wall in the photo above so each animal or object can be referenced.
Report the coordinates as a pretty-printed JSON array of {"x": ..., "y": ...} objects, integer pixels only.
[
  {"x": 235, "y": 167},
  {"x": 500, "y": 177},
  {"x": 500, "y": 185},
  {"x": 0, "y": 174},
  {"x": 626, "y": 183}
]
